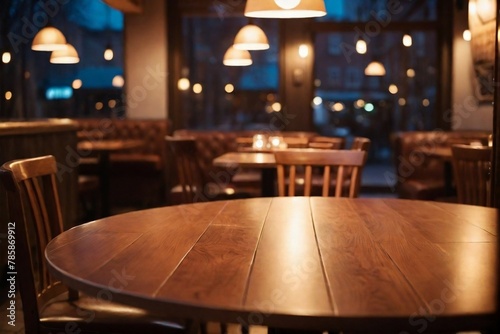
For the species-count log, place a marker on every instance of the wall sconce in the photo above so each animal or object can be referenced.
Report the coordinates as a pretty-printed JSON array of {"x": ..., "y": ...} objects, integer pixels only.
[
  {"x": 303, "y": 51},
  {"x": 282, "y": 9}
]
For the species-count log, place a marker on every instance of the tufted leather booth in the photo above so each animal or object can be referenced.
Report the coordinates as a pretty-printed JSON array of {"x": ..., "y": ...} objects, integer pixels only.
[
  {"x": 137, "y": 175},
  {"x": 419, "y": 176}
]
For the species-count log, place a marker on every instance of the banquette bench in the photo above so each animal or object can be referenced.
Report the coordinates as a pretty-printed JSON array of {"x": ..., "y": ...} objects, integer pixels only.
[
  {"x": 137, "y": 176},
  {"x": 418, "y": 176}
]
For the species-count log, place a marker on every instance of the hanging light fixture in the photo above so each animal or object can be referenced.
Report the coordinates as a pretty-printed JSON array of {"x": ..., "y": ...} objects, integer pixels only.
[
  {"x": 283, "y": 9},
  {"x": 235, "y": 57},
  {"x": 49, "y": 39},
  {"x": 108, "y": 53},
  {"x": 66, "y": 56},
  {"x": 361, "y": 46},
  {"x": 407, "y": 40},
  {"x": 375, "y": 68},
  {"x": 251, "y": 37}
]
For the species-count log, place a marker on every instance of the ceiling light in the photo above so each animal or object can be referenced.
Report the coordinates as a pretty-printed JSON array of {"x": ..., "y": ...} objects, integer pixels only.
[
  {"x": 66, "y": 56},
  {"x": 375, "y": 68},
  {"x": 277, "y": 9},
  {"x": 251, "y": 37},
  {"x": 49, "y": 39},
  {"x": 235, "y": 57}
]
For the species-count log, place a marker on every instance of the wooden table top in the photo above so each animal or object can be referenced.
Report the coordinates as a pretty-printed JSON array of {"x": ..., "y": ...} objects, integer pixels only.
[
  {"x": 246, "y": 160},
  {"x": 109, "y": 145},
  {"x": 294, "y": 262}
]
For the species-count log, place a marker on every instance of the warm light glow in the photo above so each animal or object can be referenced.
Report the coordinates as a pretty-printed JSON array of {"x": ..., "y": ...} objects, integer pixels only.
[
  {"x": 359, "y": 103},
  {"x": 77, "y": 84},
  {"x": 112, "y": 103},
  {"x": 407, "y": 40},
  {"x": 8, "y": 95},
  {"x": 317, "y": 101},
  {"x": 229, "y": 88},
  {"x": 317, "y": 83},
  {"x": 472, "y": 8},
  {"x": 99, "y": 106},
  {"x": 49, "y": 39},
  {"x": 361, "y": 46},
  {"x": 270, "y": 9},
  {"x": 183, "y": 84},
  {"x": 339, "y": 106},
  {"x": 251, "y": 37},
  {"x": 235, "y": 57},
  {"x": 276, "y": 106},
  {"x": 467, "y": 35},
  {"x": 303, "y": 51},
  {"x": 425, "y": 102},
  {"x": 118, "y": 81},
  {"x": 108, "y": 54},
  {"x": 66, "y": 56},
  {"x": 393, "y": 89},
  {"x": 6, "y": 57},
  {"x": 402, "y": 101},
  {"x": 375, "y": 68},
  {"x": 197, "y": 88},
  {"x": 410, "y": 73},
  {"x": 287, "y": 4}
]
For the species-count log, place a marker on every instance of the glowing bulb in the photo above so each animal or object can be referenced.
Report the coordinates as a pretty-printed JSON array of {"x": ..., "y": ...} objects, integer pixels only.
[
  {"x": 8, "y": 95},
  {"x": 287, "y": 4},
  {"x": 6, "y": 57},
  {"x": 303, "y": 51},
  {"x": 407, "y": 40},
  {"x": 118, "y": 81},
  {"x": 77, "y": 84},
  {"x": 361, "y": 46},
  {"x": 467, "y": 35},
  {"x": 183, "y": 84},
  {"x": 197, "y": 88},
  {"x": 229, "y": 88},
  {"x": 317, "y": 101},
  {"x": 108, "y": 54}
]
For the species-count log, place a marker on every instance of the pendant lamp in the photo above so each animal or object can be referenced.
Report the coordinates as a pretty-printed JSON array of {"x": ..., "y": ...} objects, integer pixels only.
[
  {"x": 251, "y": 37},
  {"x": 235, "y": 57},
  {"x": 66, "y": 56},
  {"x": 49, "y": 39},
  {"x": 283, "y": 9},
  {"x": 375, "y": 68}
]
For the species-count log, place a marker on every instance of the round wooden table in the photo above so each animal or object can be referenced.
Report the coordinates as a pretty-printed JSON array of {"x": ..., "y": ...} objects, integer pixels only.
[{"x": 294, "y": 262}]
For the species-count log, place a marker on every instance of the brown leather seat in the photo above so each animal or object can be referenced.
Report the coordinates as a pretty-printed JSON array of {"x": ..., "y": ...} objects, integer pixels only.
[{"x": 48, "y": 305}]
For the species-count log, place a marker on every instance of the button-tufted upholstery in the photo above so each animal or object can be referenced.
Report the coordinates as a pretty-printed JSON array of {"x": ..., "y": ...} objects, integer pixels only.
[
  {"x": 419, "y": 176},
  {"x": 137, "y": 175}
]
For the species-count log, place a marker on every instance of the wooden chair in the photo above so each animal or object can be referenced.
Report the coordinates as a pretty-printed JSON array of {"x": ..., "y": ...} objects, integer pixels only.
[
  {"x": 194, "y": 185},
  {"x": 361, "y": 143},
  {"x": 289, "y": 160},
  {"x": 472, "y": 173},
  {"x": 49, "y": 306},
  {"x": 330, "y": 143}
]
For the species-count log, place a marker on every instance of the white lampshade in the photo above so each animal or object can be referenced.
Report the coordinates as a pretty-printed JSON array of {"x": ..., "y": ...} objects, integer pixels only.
[
  {"x": 375, "y": 68},
  {"x": 251, "y": 37},
  {"x": 235, "y": 57},
  {"x": 271, "y": 9},
  {"x": 49, "y": 39},
  {"x": 66, "y": 56}
]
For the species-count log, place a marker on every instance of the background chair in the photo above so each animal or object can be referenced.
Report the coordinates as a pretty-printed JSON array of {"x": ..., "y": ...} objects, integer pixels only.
[
  {"x": 472, "y": 173},
  {"x": 48, "y": 306},
  {"x": 331, "y": 143},
  {"x": 360, "y": 143},
  {"x": 194, "y": 185},
  {"x": 288, "y": 162}
]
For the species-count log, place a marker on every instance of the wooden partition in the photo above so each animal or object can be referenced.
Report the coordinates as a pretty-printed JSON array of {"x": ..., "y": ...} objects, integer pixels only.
[{"x": 30, "y": 139}]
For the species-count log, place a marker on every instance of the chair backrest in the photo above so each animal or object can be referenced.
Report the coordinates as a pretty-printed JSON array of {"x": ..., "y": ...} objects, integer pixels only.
[
  {"x": 360, "y": 143},
  {"x": 35, "y": 218},
  {"x": 189, "y": 172},
  {"x": 332, "y": 143},
  {"x": 339, "y": 161},
  {"x": 472, "y": 172}
]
